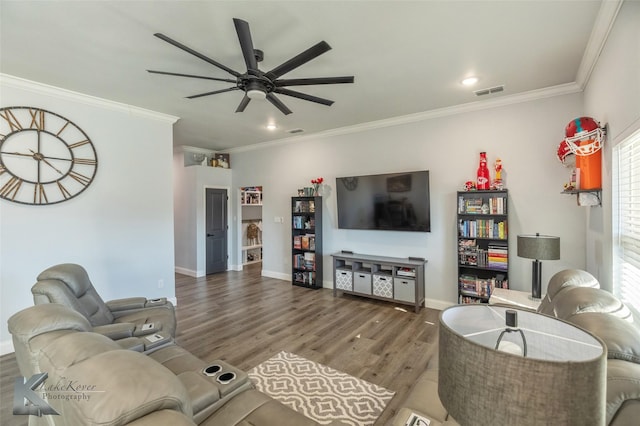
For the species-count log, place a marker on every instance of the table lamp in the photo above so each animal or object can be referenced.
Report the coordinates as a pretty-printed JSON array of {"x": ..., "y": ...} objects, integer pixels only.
[
  {"x": 538, "y": 247},
  {"x": 558, "y": 378}
]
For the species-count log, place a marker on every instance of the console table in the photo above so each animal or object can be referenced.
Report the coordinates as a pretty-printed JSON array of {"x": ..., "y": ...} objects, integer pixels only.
[
  {"x": 514, "y": 297},
  {"x": 394, "y": 279}
]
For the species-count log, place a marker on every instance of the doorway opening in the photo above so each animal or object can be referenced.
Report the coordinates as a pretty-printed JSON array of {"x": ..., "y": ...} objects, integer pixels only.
[{"x": 251, "y": 220}]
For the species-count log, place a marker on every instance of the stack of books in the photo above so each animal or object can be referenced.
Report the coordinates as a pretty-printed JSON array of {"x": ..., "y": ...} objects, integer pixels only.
[{"x": 498, "y": 257}]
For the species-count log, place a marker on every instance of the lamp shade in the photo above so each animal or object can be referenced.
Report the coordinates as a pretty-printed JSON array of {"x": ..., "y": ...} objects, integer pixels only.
[
  {"x": 561, "y": 380},
  {"x": 540, "y": 247}
]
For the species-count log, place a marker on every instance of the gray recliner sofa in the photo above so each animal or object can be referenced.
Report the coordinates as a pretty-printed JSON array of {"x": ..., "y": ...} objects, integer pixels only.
[
  {"x": 92, "y": 380},
  {"x": 69, "y": 284}
]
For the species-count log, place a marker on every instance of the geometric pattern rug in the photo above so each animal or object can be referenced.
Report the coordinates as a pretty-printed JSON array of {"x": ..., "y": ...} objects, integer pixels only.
[{"x": 319, "y": 392}]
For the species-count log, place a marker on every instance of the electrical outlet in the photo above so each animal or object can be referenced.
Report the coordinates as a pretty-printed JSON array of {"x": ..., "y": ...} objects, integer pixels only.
[{"x": 160, "y": 283}]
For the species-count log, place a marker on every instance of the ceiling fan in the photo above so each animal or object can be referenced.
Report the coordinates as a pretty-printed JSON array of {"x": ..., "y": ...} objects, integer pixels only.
[{"x": 255, "y": 83}]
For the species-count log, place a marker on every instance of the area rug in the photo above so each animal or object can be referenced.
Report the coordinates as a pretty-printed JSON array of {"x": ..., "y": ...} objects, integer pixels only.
[{"x": 319, "y": 392}]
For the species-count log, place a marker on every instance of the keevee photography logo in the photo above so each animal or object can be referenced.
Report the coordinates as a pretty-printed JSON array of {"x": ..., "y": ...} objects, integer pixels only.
[{"x": 32, "y": 397}]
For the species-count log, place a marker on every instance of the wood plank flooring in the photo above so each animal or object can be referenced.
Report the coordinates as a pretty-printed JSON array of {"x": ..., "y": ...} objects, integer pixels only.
[{"x": 245, "y": 319}]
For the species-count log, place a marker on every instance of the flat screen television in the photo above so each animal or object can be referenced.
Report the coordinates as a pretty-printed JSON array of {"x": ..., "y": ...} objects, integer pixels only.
[{"x": 392, "y": 202}]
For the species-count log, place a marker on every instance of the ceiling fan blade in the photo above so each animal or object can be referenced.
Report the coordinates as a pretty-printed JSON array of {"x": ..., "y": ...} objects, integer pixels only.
[
  {"x": 244, "y": 36},
  {"x": 278, "y": 104},
  {"x": 228, "y": 80},
  {"x": 312, "y": 81},
  {"x": 215, "y": 92},
  {"x": 196, "y": 54},
  {"x": 243, "y": 103},
  {"x": 304, "y": 96},
  {"x": 300, "y": 59}
]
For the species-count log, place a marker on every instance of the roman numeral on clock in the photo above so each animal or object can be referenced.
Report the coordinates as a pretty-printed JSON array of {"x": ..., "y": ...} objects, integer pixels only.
[
  {"x": 77, "y": 144},
  {"x": 11, "y": 119},
  {"x": 80, "y": 178},
  {"x": 10, "y": 188},
  {"x": 87, "y": 161},
  {"x": 37, "y": 119},
  {"x": 65, "y": 193},
  {"x": 39, "y": 194}
]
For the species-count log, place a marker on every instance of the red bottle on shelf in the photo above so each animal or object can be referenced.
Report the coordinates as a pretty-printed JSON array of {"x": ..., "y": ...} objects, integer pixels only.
[{"x": 483, "y": 180}]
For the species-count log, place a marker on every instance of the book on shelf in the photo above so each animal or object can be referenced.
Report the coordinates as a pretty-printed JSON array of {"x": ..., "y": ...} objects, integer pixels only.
[
  {"x": 472, "y": 285},
  {"x": 406, "y": 272},
  {"x": 305, "y": 261},
  {"x": 298, "y": 222},
  {"x": 310, "y": 260},
  {"x": 482, "y": 228},
  {"x": 498, "y": 257},
  {"x": 473, "y": 205},
  {"x": 297, "y": 242},
  {"x": 305, "y": 277},
  {"x": 304, "y": 242}
]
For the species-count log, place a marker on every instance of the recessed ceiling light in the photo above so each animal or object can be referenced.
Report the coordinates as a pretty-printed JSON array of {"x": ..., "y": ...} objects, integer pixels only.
[
  {"x": 271, "y": 126},
  {"x": 470, "y": 81}
]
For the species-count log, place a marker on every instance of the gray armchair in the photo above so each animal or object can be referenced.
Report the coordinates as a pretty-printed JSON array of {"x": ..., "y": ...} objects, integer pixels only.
[{"x": 69, "y": 284}]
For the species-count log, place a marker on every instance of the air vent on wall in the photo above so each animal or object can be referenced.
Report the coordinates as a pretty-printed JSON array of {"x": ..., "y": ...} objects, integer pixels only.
[
  {"x": 490, "y": 90},
  {"x": 294, "y": 131}
]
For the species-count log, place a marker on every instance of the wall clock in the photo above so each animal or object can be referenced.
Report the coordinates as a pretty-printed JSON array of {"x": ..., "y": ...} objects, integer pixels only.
[{"x": 44, "y": 157}]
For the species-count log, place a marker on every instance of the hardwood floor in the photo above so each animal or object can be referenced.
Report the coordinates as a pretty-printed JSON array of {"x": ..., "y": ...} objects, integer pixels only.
[{"x": 245, "y": 319}]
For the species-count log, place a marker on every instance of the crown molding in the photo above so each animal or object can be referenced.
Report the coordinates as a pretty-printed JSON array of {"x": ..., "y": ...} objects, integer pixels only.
[
  {"x": 45, "y": 89},
  {"x": 533, "y": 95},
  {"x": 193, "y": 150},
  {"x": 600, "y": 32}
]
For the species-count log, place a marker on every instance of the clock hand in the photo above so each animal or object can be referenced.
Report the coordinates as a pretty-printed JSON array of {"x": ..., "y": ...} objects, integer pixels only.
[
  {"x": 39, "y": 157},
  {"x": 17, "y": 153}
]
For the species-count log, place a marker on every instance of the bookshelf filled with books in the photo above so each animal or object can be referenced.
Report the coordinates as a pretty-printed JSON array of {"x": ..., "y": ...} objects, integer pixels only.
[
  {"x": 306, "y": 241},
  {"x": 483, "y": 244}
]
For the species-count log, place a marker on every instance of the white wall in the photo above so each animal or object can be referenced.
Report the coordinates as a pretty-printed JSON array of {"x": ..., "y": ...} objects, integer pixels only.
[
  {"x": 190, "y": 184},
  {"x": 120, "y": 228},
  {"x": 524, "y": 135},
  {"x": 612, "y": 96}
]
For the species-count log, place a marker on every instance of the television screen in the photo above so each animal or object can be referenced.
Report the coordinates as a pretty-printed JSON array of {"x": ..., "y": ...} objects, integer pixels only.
[{"x": 393, "y": 201}]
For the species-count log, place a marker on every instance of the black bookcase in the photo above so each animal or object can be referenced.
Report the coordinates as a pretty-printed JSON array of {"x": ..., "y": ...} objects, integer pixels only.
[
  {"x": 483, "y": 244},
  {"x": 306, "y": 242}
]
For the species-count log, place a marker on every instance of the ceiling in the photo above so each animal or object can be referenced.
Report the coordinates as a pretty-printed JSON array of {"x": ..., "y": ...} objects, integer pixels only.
[{"x": 408, "y": 57}]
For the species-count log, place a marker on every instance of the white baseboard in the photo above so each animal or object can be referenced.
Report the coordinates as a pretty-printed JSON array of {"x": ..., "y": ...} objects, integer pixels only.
[
  {"x": 277, "y": 275},
  {"x": 437, "y": 304},
  {"x": 185, "y": 271},
  {"x": 6, "y": 347}
]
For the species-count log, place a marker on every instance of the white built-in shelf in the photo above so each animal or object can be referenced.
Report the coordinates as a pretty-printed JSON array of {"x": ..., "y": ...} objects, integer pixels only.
[{"x": 255, "y": 246}]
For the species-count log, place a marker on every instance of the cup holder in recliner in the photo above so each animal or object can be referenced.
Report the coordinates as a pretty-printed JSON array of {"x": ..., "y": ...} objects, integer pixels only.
[
  {"x": 212, "y": 370},
  {"x": 226, "y": 378}
]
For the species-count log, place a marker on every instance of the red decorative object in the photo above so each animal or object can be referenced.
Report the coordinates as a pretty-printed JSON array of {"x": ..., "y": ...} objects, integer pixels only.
[
  {"x": 316, "y": 185},
  {"x": 497, "y": 182},
  {"x": 584, "y": 138},
  {"x": 483, "y": 180}
]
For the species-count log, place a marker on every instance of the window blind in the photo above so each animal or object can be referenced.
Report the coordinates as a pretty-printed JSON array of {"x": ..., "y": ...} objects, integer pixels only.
[{"x": 626, "y": 215}]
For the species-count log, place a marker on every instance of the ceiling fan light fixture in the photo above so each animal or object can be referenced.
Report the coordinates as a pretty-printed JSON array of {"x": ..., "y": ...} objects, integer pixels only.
[{"x": 256, "y": 94}]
